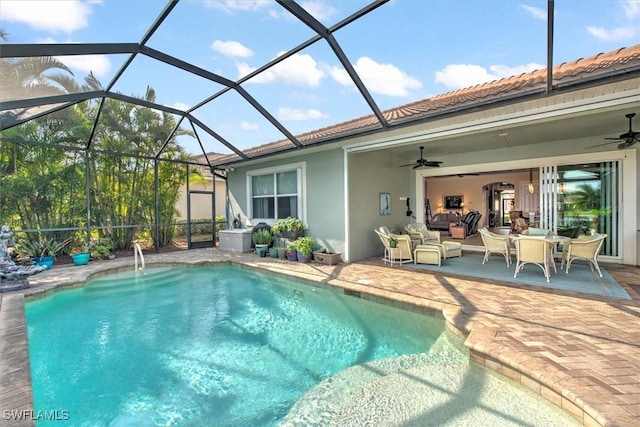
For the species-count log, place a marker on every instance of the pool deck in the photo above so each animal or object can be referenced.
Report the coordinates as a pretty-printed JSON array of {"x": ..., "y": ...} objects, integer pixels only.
[{"x": 582, "y": 352}]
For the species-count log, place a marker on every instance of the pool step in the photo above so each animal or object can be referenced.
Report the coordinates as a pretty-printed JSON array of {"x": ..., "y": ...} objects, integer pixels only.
[
  {"x": 329, "y": 402},
  {"x": 127, "y": 281}
]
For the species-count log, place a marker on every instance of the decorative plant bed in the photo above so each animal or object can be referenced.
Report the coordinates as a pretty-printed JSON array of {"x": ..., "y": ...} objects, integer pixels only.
[{"x": 327, "y": 258}]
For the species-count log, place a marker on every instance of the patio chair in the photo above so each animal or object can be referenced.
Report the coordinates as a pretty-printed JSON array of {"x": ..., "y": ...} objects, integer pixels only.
[
  {"x": 495, "y": 243},
  {"x": 421, "y": 234},
  {"x": 586, "y": 248},
  {"x": 417, "y": 232},
  {"x": 402, "y": 253},
  {"x": 532, "y": 251}
]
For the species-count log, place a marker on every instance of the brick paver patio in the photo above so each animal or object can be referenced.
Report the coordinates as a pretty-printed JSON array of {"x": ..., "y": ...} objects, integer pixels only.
[{"x": 580, "y": 351}]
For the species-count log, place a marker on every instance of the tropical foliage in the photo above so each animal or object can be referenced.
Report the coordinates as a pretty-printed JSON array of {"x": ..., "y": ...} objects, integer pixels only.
[{"x": 44, "y": 162}]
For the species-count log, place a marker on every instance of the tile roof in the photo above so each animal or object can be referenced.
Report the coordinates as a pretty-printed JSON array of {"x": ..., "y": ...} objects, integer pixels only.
[{"x": 596, "y": 66}]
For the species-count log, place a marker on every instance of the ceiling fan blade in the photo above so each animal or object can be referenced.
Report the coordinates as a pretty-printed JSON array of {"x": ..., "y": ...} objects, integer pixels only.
[
  {"x": 613, "y": 139},
  {"x": 408, "y": 164},
  {"x": 432, "y": 164},
  {"x": 628, "y": 143},
  {"x": 606, "y": 143}
]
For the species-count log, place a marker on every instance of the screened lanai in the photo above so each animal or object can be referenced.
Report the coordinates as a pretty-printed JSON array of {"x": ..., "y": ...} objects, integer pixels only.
[{"x": 110, "y": 111}]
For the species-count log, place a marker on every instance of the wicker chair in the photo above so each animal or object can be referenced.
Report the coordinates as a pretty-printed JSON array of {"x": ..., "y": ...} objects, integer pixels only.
[
  {"x": 402, "y": 253},
  {"x": 587, "y": 248},
  {"x": 421, "y": 234},
  {"x": 532, "y": 251},
  {"x": 417, "y": 232},
  {"x": 495, "y": 243}
]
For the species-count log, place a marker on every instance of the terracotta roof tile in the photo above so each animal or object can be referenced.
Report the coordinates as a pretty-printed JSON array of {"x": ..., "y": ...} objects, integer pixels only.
[{"x": 485, "y": 92}]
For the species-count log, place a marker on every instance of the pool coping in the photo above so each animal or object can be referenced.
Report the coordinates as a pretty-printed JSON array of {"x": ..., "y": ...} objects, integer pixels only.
[{"x": 544, "y": 377}]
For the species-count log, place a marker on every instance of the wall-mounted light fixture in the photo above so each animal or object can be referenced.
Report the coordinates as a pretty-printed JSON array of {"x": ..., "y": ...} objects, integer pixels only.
[{"x": 531, "y": 181}]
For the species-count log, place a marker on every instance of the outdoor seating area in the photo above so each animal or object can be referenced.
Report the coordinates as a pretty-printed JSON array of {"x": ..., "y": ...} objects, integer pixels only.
[
  {"x": 541, "y": 246},
  {"x": 420, "y": 245}
]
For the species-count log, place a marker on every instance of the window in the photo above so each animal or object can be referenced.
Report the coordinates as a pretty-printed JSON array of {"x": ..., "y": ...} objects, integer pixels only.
[{"x": 276, "y": 194}]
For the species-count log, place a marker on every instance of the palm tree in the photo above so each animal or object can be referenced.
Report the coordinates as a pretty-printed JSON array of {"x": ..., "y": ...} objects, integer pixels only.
[{"x": 585, "y": 198}]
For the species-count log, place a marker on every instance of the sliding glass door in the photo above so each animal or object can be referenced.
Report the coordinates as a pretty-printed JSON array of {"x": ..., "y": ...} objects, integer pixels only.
[{"x": 582, "y": 199}]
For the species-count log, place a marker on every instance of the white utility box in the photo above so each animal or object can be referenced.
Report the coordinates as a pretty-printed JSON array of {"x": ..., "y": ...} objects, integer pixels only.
[{"x": 235, "y": 240}]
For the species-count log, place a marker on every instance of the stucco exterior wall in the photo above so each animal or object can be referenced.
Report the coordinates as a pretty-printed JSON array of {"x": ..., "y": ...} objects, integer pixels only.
[
  {"x": 369, "y": 174},
  {"x": 323, "y": 197}
]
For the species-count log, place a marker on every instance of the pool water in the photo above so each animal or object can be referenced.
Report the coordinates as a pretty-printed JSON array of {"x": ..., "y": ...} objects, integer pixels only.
[
  {"x": 202, "y": 346},
  {"x": 225, "y": 346}
]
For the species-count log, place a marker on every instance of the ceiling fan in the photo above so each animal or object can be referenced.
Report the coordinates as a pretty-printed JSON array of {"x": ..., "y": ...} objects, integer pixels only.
[
  {"x": 422, "y": 162},
  {"x": 628, "y": 138}
]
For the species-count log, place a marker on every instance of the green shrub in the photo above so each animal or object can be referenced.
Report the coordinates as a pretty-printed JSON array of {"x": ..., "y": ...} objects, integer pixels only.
[
  {"x": 305, "y": 245},
  {"x": 262, "y": 237},
  {"x": 287, "y": 224}
]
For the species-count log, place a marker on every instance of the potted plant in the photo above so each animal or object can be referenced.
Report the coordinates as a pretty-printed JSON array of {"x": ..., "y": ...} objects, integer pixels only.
[
  {"x": 288, "y": 228},
  {"x": 326, "y": 257},
  {"x": 304, "y": 248},
  {"x": 43, "y": 251},
  {"x": 80, "y": 256},
  {"x": 291, "y": 252},
  {"x": 273, "y": 252},
  {"x": 262, "y": 239}
]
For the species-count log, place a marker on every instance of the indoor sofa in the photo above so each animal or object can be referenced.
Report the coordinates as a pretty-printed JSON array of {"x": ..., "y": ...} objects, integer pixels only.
[{"x": 441, "y": 221}]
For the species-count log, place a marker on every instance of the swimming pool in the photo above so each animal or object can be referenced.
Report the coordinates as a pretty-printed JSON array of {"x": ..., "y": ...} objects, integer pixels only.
[{"x": 222, "y": 346}]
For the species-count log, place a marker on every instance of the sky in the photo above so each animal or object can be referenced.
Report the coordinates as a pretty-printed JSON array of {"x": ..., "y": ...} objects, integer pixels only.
[{"x": 404, "y": 51}]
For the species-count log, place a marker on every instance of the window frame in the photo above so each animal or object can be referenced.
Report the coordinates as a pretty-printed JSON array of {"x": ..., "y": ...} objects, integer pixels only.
[{"x": 300, "y": 169}]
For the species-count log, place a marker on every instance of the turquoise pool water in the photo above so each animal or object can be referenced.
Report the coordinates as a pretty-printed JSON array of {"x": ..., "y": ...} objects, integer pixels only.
[
  {"x": 202, "y": 346},
  {"x": 224, "y": 346}
]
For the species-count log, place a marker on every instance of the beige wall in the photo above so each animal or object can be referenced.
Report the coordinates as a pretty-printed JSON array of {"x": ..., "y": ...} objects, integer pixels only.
[{"x": 200, "y": 208}]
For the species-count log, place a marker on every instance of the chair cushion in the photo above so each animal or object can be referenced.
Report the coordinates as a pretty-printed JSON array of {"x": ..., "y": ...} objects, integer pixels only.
[
  {"x": 537, "y": 231},
  {"x": 450, "y": 246}
]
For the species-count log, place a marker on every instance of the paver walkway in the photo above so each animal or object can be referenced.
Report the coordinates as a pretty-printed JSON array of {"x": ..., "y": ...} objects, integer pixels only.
[{"x": 580, "y": 351}]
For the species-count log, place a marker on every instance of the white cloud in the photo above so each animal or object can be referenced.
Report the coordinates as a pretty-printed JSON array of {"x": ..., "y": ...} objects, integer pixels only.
[
  {"x": 243, "y": 5},
  {"x": 299, "y": 114},
  {"x": 99, "y": 64},
  {"x": 249, "y": 126},
  {"x": 612, "y": 35},
  {"x": 232, "y": 48},
  {"x": 319, "y": 9},
  {"x": 629, "y": 29},
  {"x": 297, "y": 70},
  {"x": 536, "y": 12},
  {"x": 48, "y": 15},
  {"x": 457, "y": 76},
  {"x": 180, "y": 106},
  {"x": 384, "y": 79},
  {"x": 631, "y": 9}
]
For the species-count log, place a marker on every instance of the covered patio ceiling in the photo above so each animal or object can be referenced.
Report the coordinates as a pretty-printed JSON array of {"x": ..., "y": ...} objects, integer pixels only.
[{"x": 300, "y": 32}]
